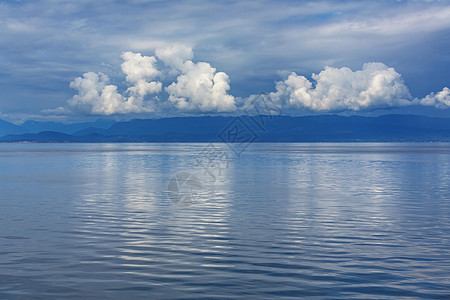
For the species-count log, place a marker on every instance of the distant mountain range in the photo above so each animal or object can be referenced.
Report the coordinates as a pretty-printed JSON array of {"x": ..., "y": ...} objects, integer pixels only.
[
  {"x": 7, "y": 128},
  {"x": 324, "y": 128}
]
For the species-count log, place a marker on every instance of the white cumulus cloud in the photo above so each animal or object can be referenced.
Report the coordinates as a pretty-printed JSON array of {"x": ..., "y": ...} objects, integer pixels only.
[
  {"x": 439, "y": 100},
  {"x": 175, "y": 56},
  {"x": 96, "y": 96},
  {"x": 137, "y": 67},
  {"x": 199, "y": 87},
  {"x": 335, "y": 89},
  {"x": 139, "y": 71}
]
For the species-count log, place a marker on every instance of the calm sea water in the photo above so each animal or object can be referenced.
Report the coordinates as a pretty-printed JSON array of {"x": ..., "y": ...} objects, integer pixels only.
[{"x": 282, "y": 220}]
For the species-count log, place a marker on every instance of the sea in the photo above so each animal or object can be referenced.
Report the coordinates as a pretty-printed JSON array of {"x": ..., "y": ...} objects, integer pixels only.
[{"x": 221, "y": 221}]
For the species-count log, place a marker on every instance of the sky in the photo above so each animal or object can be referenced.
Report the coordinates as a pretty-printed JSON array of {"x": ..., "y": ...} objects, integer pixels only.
[{"x": 81, "y": 60}]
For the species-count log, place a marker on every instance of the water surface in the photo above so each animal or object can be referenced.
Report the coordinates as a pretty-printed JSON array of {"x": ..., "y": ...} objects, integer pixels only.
[{"x": 283, "y": 220}]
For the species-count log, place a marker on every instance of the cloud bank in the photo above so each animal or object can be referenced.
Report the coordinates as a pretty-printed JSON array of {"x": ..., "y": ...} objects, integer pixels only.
[
  {"x": 336, "y": 89},
  {"x": 197, "y": 87},
  {"x": 439, "y": 100},
  {"x": 97, "y": 97},
  {"x": 57, "y": 39}
]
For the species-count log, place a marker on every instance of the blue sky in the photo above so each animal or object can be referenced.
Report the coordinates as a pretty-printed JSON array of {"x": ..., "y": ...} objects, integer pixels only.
[{"x": 75, "y": 60}]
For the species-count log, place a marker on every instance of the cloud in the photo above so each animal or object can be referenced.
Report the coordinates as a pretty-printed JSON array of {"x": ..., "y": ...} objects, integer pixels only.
[
  {"x": 59, "y": 111},
  {"x": 438, "y": 100},
  {"x": 139, "y": 71},
  {"x": 137, "y": 67},
  {"x": 175, "y": 56},
  {"x": 97, "y": 97},
  {"x": 199, "y": 87},
  {"x": 60, "y": 40},
  {"x": 337, "y": 89}
]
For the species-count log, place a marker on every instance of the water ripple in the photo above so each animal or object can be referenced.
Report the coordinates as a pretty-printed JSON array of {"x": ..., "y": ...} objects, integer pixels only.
[{"x": 284, "y": 221}]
